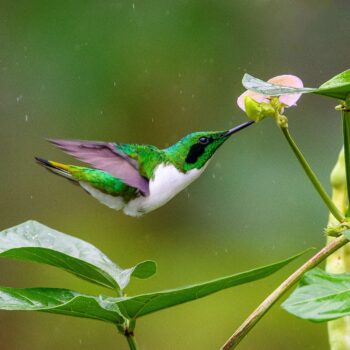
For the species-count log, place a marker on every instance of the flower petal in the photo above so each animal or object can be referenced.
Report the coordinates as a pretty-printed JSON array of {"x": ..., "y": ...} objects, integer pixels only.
[
  {"x": 288, "y": 80},
  {"x": 254, "y": 95}
]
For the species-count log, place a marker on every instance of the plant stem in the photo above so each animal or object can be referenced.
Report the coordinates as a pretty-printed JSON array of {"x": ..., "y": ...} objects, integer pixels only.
[
  {"x": 339, "y": 262},
  {"x": 131, "y": 341},
  {"x": 313, "y": 178},
  {"x": 346, "y": 133},
  {"x": 261, "y": 310}
]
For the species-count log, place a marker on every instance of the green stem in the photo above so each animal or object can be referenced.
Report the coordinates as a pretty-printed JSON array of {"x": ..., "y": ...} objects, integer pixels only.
[
  {"x": 262, "y": 309},
  {"x": 346, "y": 131},
  {"x": 131, "y": 341},
  {"x": 339, "y": 261},
  {"x": 317, "y": 184}
]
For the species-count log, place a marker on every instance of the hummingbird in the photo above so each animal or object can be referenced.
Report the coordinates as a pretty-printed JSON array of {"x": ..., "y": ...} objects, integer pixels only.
[{"x": 138, "y": 178}]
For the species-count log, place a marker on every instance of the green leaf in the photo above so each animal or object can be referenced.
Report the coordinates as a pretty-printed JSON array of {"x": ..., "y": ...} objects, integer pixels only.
[
  {"x": 36, "y": 242},
  {"x": 268, "y": 89},
  {"x": 337, "y": 87},
  {"x": 116, "y": 310},
  {"x": 140, "y": 305},
  {"x": 320, "y": 296},
  {"x": 60, "y": 301}
]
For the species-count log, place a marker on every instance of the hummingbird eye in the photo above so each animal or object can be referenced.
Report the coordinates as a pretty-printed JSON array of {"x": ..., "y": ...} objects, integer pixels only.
[{"x": 204, "y": 140}]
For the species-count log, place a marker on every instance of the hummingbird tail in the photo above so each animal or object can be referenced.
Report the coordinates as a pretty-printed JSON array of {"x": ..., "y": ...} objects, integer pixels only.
[{"x": 57, "y": 168}]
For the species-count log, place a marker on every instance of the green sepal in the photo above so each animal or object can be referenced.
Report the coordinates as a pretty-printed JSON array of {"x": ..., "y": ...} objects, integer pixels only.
[{"x": 257, "y": 111}]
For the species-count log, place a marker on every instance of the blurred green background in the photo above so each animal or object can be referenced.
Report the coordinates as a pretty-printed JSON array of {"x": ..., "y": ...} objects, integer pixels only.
[{"x": 150, "y": 72}]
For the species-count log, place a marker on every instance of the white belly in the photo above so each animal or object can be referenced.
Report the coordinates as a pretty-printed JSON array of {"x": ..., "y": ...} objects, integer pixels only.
[
  {"x": 166, "y": 183},
  {"x": 112, "y": 202}
]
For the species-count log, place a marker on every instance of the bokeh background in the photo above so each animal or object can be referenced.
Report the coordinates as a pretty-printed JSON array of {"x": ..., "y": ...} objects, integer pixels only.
[{"x": 150, "y": 72}]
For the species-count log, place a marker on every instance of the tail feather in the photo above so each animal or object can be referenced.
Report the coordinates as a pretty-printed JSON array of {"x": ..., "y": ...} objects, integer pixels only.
[{"x": 57, "y": 168}]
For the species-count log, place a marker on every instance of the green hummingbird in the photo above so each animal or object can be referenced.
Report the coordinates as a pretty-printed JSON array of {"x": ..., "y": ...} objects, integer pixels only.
[{"x": 138, "y": 178}]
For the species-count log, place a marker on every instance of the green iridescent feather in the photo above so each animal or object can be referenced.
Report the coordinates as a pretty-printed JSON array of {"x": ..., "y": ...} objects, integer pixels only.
[{"x": 103, "y": 181}]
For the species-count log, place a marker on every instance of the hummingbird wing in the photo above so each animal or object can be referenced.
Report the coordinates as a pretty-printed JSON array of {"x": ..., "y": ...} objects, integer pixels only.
[{"x": 105, "y": 156}]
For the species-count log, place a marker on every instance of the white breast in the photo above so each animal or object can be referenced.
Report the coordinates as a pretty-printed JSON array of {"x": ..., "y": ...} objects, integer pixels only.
[{"x": 166, "y": 183}]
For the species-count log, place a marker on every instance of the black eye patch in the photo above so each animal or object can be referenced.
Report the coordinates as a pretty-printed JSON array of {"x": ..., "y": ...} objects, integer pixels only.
[{"x": 197, "y": 150}]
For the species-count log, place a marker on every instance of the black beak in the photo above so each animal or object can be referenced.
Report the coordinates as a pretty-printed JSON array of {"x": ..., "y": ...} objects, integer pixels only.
[{"x": 237, "y": 128}]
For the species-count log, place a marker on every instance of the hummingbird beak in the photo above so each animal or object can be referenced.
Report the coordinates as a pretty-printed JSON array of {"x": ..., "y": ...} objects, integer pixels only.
[{"x": 237, "y": 128}]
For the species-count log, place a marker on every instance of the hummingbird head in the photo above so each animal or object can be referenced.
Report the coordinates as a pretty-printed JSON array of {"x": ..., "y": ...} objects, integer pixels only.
[{"x": 196, "y": 149}]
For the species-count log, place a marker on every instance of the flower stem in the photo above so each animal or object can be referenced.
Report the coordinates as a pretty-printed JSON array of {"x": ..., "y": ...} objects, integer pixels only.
[
  {"x": 313, "y": 178},
  {"x": 261, "y": 310},
  {"x": 131, "y": 341},
  {"x": 346, "y": 133}
]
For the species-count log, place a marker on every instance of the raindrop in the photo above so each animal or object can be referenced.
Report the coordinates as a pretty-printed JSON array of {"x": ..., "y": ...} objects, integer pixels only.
[
  {"x": 19, "y": 98},
  {"x": 26, "y": 117}
]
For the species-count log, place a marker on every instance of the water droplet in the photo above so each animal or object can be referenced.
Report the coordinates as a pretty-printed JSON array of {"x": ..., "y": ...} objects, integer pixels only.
[
  {"x": 19, "y": 98},
  {"x": 133, "y": 6},
  {"x": 26, "y": 117}
]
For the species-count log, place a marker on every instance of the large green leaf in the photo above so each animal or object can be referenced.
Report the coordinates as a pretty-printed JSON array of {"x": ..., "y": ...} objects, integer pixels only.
[
  {"x": 144, "y": 304},
  {"x": 320, "y": 296},
  {"x": 36, "y": 242},
  {"x": 337, "y": 87},
  {"x": 116, "y": 310},
  {"x": 60, "y": 301}
]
